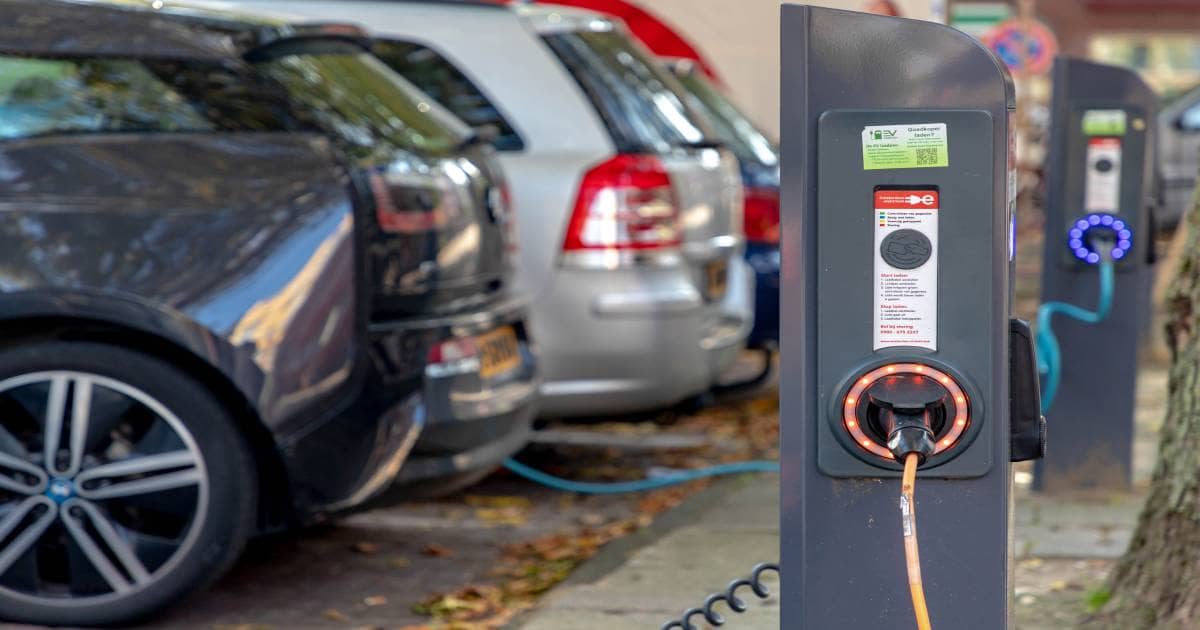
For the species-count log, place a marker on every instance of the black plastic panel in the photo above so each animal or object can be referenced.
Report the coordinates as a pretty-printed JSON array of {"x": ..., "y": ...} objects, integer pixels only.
[{"x": 967, "y": 235}]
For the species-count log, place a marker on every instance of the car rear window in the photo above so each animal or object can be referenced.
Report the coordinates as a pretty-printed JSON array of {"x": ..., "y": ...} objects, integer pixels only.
[
  {"x": 735, "y": 131},
  {"x": 52, "y": 96},
  {"x": 360, "y": 99},
  {"x": 642, "y": 105},
  {"x": 439, "y": 78}
]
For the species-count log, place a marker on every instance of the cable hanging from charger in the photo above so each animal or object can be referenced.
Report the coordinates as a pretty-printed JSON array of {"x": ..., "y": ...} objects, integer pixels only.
[
  {"x": 910, "y": 440},
  {"x": 912, "y": 555},
  {"x": 1048, "y": 352}
]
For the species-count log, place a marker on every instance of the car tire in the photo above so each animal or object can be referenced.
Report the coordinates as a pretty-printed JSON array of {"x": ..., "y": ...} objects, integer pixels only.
[{"x": 153, "y": 498}]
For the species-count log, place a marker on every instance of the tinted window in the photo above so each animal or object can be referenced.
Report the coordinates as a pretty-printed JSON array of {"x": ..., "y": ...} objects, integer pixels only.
[
  {"x": 83, "y": 95},
  {"x": 642, "y": 105},
  {"x": 355, "y": 96},
  {"x": 1190, "y": 121},
  {"x": 731, "y": 126},
  {"x": 41, "y": 96},
  {"x": 438, "y": 78}
]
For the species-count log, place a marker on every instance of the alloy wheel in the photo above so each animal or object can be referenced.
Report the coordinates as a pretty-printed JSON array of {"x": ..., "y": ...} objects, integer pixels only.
[{"x": 102, "y": 488}]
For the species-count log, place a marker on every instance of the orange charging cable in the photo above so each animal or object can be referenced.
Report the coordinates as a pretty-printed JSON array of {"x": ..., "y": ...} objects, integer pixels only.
[{"x": 912, "y": 556}]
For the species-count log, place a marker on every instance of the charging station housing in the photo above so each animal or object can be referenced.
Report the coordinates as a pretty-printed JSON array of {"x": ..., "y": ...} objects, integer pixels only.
[
  {"x": 1100, "y": 164},
  {"x": 870, "y": 284}
]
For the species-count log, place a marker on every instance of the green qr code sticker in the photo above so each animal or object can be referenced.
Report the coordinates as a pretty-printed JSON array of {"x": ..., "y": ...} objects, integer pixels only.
[{"x": 905, "y": 146}]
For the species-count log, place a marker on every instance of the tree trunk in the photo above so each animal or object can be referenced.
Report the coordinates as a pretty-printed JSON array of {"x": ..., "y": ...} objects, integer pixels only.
[{"x": 1156, "y": 584}]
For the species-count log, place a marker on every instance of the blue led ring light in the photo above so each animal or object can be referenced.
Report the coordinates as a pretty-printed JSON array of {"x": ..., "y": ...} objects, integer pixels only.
[{"x": 1077, "y": 238}]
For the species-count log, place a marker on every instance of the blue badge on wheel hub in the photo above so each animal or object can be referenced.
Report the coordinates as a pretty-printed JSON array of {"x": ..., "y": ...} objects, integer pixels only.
[{"x": 60, "y": 490}]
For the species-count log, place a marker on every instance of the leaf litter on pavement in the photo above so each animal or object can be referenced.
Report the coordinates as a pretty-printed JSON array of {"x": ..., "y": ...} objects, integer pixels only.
[{"x": 746, "y": 429}]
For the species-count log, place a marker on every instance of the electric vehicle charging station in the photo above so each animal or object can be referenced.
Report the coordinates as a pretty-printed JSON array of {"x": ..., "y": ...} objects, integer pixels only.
[
  {"x": 1100, "y": 178},
  {"x": 898, "y": 200}
]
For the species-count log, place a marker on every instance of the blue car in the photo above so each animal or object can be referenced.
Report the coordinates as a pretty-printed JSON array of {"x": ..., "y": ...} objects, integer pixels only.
[{"x": 759, "y": 158}]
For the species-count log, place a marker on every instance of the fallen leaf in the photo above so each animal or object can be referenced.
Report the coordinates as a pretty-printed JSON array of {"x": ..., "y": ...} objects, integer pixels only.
[
  {"x": 435, "y": 550},
  {"x": 475, "y": 500},
  {"x": 454, "y": 514},
  {"x": 399, "y": 562},
  {"x": 365, "y": 548},
  {"x": 334, "y": 614},
  {"x": 375, "y": 600},
  {"x": 471, "y": 608},
  {"x": 509, "y": 516},
  {"x": 591, "y": 519}
]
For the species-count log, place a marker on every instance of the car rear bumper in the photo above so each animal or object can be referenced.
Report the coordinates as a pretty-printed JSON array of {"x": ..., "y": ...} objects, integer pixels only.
[
  {"x": 479, "y": 446},
  {"x": 473, "y": 420},
  {"x": 627, "y": 340}
]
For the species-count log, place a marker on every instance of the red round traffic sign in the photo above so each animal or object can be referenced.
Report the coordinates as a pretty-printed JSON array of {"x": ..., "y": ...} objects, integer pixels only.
[{"x": 1025, "y": 46}]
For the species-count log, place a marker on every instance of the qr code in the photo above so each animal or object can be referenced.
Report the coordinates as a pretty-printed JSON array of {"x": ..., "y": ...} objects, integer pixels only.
[{"x": 927, "y": 156}]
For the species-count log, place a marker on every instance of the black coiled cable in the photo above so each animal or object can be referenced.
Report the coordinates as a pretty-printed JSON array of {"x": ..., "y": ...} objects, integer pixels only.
[{"x": 729, "y": 596}]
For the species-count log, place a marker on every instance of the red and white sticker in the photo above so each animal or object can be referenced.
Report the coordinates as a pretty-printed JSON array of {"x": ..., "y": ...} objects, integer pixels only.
[
  {"x": 1102, "y": 186},
  {"x": 905, "y": 304}
]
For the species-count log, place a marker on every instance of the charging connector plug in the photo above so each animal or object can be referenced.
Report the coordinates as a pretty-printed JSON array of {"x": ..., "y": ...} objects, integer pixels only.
[
  {"x": 1103, "y": 243},
  {"x": 908, "y": 431}
]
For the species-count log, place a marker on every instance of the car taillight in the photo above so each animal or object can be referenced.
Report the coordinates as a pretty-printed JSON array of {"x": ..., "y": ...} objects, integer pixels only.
[
  {"x": 413, "y": 203},
  {"x": 451, "y": 357},
  {"x": 625, "y": 204},
  {"x": 761, "y": 215}
]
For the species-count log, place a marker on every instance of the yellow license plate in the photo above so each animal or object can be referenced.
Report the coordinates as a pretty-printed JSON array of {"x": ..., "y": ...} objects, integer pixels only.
[
  {"x": 499, "y": 351},
  {"x": 716, "y": 279}
]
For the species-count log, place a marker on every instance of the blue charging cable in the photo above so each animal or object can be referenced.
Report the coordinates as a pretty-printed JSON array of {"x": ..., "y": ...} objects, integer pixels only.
[
  {"x": 1049, "y": 354},
  {"x": 620, "y": 487}
]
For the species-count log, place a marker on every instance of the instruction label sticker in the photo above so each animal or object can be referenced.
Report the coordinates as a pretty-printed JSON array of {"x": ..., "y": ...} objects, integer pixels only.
[
  {"x": 905, "y": 146},
  {"x": 1104, "y": 122},
  {"x": 906, "y": 233},
  {"x": 1102, "y": 186}
]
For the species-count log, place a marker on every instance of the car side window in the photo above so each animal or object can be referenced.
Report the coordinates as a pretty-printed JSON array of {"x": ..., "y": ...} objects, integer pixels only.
[
  {"x": 439, "y": 78},
  {"x": 59, "y": 96},
  {"x": 644, "y": 107},
  {"x": 1190, "y": 120}
]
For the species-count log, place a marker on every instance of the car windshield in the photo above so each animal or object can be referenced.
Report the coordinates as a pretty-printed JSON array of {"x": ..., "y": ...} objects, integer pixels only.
[
  {"x": 355, "y": 96},
  {"x": 736, "y": 131},
  {"x": 643, "y": 106}
]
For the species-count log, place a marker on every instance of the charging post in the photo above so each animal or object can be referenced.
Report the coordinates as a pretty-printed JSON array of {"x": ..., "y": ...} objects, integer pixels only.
[
  {"x": 897, "y": 238},
  {"x": 1099, "y": 201}
]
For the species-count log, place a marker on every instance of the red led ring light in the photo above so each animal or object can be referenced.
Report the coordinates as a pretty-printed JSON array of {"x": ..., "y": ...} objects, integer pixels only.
[{"x": 850, "y": 406}]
